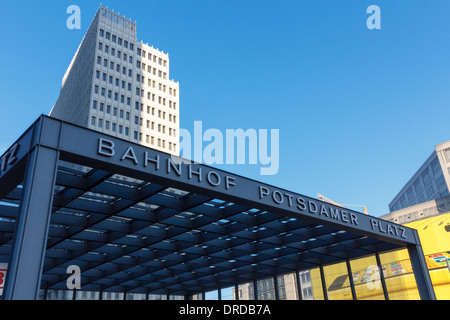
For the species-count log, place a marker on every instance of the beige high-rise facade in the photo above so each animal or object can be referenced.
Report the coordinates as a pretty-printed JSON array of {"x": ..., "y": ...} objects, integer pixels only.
[{"x": 120, "y": 86}]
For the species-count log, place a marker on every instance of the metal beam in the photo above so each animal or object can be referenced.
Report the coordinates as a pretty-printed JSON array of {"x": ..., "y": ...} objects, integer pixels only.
[
  {"x": 421, "y": 273},
  {"x": 382, "y": 279},
  {"x": 30, "y": 238},
  {"x": 350, "y": 278}
]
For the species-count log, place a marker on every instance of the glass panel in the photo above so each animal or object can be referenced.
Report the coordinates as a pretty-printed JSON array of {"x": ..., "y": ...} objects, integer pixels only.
[
  {"x": 227, "y": 293},
  {"x": 157, "y": 297},
  {"x": 314, "y": 291},
  {"x": 136, "y": 296},
  {"x": 212, "y": 295},
  {"x": 41, "y": 295},
  {"x": 87, "y": 295},
  {"x": 59, "y": 294},
  {"x": 337, "y": 282},
  {"x": 176, "y": 297},
  {"x": 111, "y": 296},
  {"x": 197, "y": 296},
  {"x": 246, "y": 291},
  {"x": 366, "y": 277},
  {"x": 266, "y": 289},
  {"x": 287, "y": 286},
  {"x": 400, "y": 280}
]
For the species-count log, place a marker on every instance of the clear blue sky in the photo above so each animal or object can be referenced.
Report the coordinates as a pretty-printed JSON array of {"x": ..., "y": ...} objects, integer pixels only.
[{"x": 358, "y": 110}]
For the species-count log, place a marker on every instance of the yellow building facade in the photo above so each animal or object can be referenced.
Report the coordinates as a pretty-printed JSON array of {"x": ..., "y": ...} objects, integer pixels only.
[{"x": 400, "y": 283}]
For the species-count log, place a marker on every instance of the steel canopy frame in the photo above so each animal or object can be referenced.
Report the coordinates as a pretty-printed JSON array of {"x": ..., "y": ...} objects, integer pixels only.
[{"x": 138, "y": 220}]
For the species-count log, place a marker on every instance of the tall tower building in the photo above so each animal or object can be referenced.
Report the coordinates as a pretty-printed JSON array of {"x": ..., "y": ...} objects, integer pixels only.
[{"x": 120, "y": 86}]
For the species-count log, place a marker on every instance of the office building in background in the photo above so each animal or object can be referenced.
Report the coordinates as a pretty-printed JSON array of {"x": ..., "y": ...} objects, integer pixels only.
[
  {"x": 120, "y": 86},
  {"x": 430, "y": 182}
]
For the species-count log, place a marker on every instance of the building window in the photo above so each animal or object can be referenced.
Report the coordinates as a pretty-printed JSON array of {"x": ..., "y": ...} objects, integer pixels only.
[
  {"x": 421, "y": 198},
  {"x": 426, "y": 177},
  {"x": 418, "y": 187},
  {"x": 440, "y": 183},
  {"x": 436, "y": 167},
  {"x": 100, "y": 123},
  {"x": 447, "y": 154},
  {"x": 93, "y": 121},
  {"x": 430, "y": 192},
  {"x": 410, "y": 194}
]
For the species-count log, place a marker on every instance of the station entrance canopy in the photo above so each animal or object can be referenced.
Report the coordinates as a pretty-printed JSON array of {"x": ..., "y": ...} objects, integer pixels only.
[{"x": 138, "y": 220}]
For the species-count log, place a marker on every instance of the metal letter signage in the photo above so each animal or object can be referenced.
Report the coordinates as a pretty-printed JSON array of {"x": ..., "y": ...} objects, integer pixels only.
[
  {"x": 107, "y": 148},
  {"x": 131, "y": 155},
  {"x": 9, "y": 158}
]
